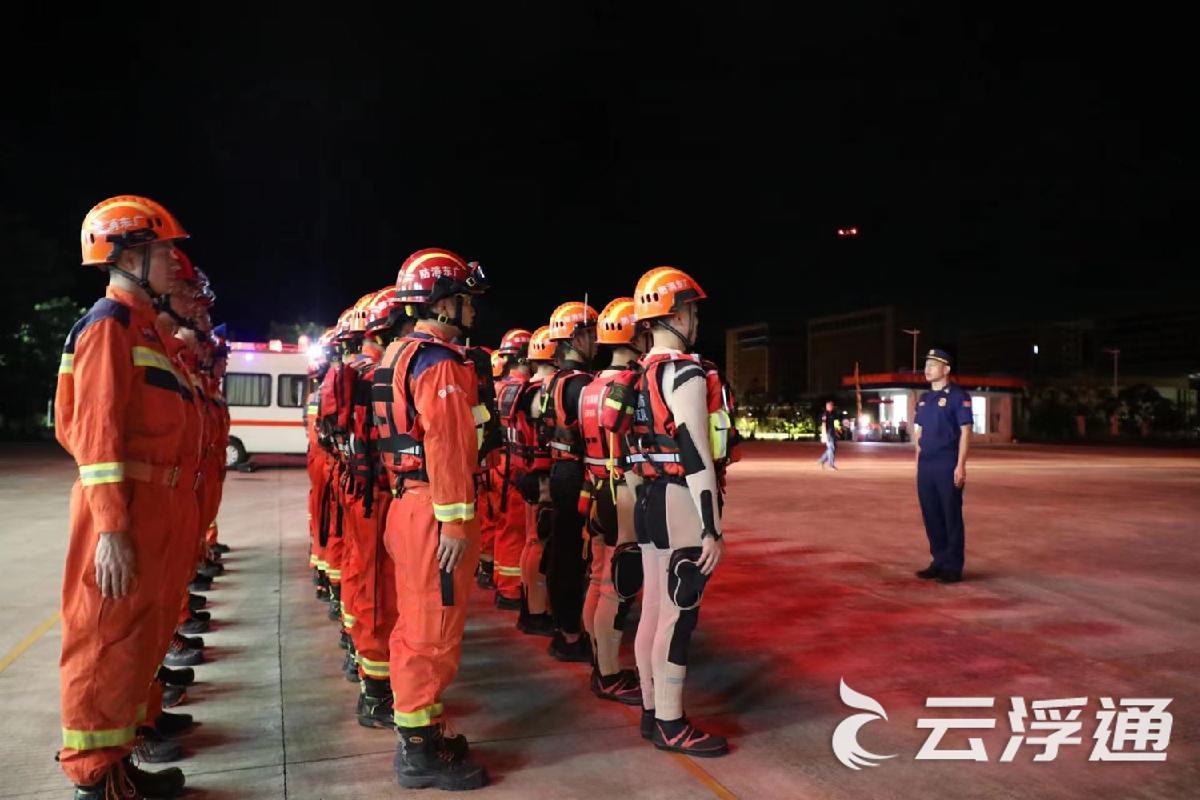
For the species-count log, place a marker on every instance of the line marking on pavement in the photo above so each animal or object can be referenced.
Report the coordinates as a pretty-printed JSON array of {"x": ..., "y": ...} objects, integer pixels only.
[
  {"x": 28, "y": 641},
  {"x": 700, "y": 774}
]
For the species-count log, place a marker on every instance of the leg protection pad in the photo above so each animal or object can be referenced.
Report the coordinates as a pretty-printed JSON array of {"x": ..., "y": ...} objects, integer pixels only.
[
  {"x": 545, "y": 521},
  {"x": 685, "y": 582},
  {"x": 627, "y": 574},
  {"x": 689, "y": 456}
]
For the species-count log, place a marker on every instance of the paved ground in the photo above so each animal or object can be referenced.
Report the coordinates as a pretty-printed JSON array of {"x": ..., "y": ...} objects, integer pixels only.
[{"x": 1082, "y": 567}]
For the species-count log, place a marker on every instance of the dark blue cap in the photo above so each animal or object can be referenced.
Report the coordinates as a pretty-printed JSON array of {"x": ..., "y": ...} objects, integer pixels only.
[{"x": 939, "y": 355}]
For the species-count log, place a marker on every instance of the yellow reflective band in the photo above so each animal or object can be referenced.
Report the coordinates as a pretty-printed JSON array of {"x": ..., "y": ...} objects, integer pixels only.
[
  {"x": 608, "y": 401},
  {"x": 454, "y": 512},
  {"x": 95, "y": 740},
  {"x": 512, "y": 572},
  {"x": 324, "y": 567},
  {"x": 481, "y": 414},
  {"x": 374, "y": 669},
  {"x": 107, "y": 472},
  {"x": 67, "y": 365},
  {"x": 419, "y": 718},
  {"x": 312, "y": 561},
  {"x": 348, "y": 622},
  {"x": 145, "y": 357},
  {"x": 313, "y": 409},
  {"x": 334, "y": 574}
]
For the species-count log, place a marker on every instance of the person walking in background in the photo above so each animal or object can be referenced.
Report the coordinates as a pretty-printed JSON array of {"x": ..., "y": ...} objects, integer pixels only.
[{"x": 829, "y": 435}]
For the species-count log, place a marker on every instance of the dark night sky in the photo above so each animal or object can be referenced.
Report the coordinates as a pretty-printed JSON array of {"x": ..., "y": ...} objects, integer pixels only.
[{"x": 1000, "y": 167}]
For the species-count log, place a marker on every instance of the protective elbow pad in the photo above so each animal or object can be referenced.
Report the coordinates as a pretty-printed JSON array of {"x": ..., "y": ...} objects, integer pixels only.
[
  {"x": 627, "y": 574},
  {"x": 545, "y": 521},
  {"x": 689, "y": 456},
  {"x": 685, "y": 582}
]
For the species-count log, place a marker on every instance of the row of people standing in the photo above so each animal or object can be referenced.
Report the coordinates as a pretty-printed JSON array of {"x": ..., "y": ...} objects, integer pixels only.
[
  {"x": 139, "y": 406},
  {"x": 568, "y": 490}
]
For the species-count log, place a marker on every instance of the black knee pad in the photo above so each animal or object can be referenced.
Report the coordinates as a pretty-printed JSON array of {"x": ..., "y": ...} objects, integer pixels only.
[
  {"x": 627, "y": 574},
  {"x": 685, "y": 582}
]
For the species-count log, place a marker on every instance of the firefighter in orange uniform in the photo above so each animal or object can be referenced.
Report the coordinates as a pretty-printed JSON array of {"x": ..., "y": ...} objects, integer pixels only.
[
  {"x": 529, "y": 454},
  {"x": 610, "y": 511},
  {"x": 573, "y": 328},
  {"x": 318, "y": 465},
  {"x": 353, "y": 483},
  {"x": 511, "y": 369},
  {"x": 369, "y": 582},
  {"x": 678, "y": 437},
  {"x": 121, "y": 413},
  {"x": 432, "y": 425}
]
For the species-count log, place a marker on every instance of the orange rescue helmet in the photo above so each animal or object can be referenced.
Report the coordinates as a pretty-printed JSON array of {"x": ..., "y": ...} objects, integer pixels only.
[
  {"x": 617, "y": 323},
  {"x": 125, "y": 221},
  {"x": 569, "y": 317},
  {"x": 515, "y": 342},
  {"x": 662, "y": 291},
  {"x": 541, "y": 346}
]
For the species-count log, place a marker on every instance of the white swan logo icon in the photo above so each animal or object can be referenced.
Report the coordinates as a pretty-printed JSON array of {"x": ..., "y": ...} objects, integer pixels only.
[{"x": 845, "y": 735}]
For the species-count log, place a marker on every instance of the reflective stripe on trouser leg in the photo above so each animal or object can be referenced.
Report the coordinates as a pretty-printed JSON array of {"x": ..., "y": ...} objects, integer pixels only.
[
  {"x": 108, "y": 646},
  {"x": 426, "y": 642}
]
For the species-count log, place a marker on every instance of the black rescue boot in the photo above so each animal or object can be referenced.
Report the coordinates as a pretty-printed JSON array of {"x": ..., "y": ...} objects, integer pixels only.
[
  {"x": 196, "y": 601},
  {"x": 177, "y": 677},
  {"x": 375, "y": 704},
  {"x": 346, "y": 643},
  {"x": 154, "y": 748},
  {"x": 484, "y": 575},
  {"x": 166, "y": 783},
  {"x": 115, "y": 783},
  {"x": 579, "y": 650},
  {"x": 424, "y": 760},
  {"x": 350, "y": 666},
  {"x": 193, "y": 625},
  {"x": 169, "y": 724},
  {"x": 335, "y": 602},
  {"x": 536, "y": 624},
  {"x": 624, "y": 687},
  {"x": 681, "y": 736},
  {"x": 173, "y": 696},
  {"x": 322, "y": 587}
]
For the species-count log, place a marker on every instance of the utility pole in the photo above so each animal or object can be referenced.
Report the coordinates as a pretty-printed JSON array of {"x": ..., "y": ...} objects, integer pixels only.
[
  {"x": 1115, "y": 352},
  {"x": 913, "y": 333}
]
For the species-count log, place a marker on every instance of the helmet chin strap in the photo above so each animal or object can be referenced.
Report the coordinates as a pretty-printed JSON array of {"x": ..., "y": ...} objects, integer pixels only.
[
  {"x": 161, "y": 302},
  {"x": 457, "y": 319}
]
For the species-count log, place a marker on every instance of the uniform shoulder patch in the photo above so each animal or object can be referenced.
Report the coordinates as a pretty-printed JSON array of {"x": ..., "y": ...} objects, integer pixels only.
[{"x": 105, "y": 308}]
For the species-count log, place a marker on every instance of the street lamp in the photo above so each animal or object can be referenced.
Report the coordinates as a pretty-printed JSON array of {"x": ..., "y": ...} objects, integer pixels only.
[
  {"x": 913, "y": 333},
  {"x": 1115, "y": 352}
]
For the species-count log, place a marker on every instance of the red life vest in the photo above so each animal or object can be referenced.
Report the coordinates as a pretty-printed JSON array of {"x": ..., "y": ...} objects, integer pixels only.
[
  {"x": 526, "y": 439},
  {"x": 566, "y": 444},
  {"x": 604, "y": 450},
  {"x": 657, "y": 453}
]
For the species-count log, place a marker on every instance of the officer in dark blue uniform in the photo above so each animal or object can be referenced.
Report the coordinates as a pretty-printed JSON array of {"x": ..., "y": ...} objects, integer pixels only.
[{"x": 942, "y": 438}]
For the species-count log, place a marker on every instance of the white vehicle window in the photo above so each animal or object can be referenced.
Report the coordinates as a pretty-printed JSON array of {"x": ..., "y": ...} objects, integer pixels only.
[
  {"x": 247, "y": 389},
  {"x": 291, "y": 391}
]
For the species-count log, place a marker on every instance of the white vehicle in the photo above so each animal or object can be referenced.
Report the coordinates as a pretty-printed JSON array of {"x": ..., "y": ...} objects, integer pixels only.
[{"x": 266, "y": 386}]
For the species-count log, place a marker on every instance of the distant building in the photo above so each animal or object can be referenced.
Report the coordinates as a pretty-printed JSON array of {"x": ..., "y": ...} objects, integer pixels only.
[
  {"x": 873, "y": 338},
  {"x": 765, "y": 360},
  {"x": 1159, "y": 348},
  {"x": 890, "y": 402},
  {"x": 1041, "y": 349}
]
